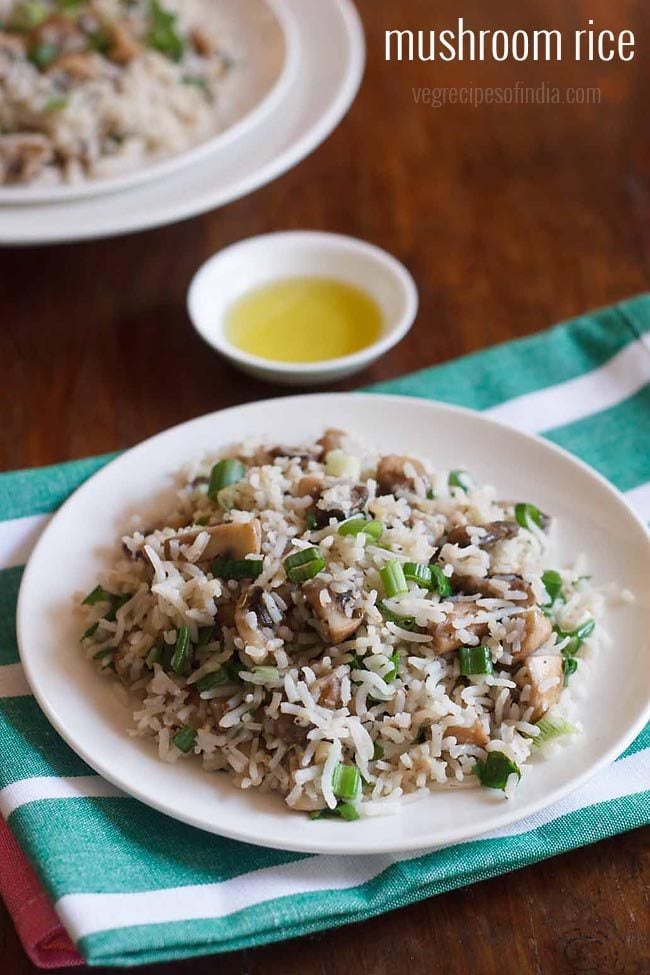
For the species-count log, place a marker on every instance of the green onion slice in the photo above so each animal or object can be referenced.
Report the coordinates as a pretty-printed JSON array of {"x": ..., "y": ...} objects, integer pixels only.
[
  {"x": 576, "y": 637},
  {"x": 206, "y": 635},
  {"x": 215, "y": 678},
  {"x": 268, "y": 674},
  {"x": 42, "y": 55},
  {"x": 346, "y": 781},
  {"x": 304, "y": 565},
  {"x": 461, "y": 479},
  {"x": 358, "y": 525},
  {"x": 237, "y": 568},
  {"x": 185, "y": 739},
  {"x": 393, "y": 579},
  {"x": 223, "y": 474},
  {"x": 98, "y": 595},
  {"x": 378, "y": 751},
  {"x": 92, "y": 629},
  {"x": 311, "y": 521},
  {"x": 182, "y": 650},
  {"x": 569, "y": 667},
  {"x": 392, "y": 674},
  {"x": 406, "y": 622},
  {"x": 553, "y": 584},
  {"x": 440, "y": 581},
  {"x": 550, "y": 728},
  {"x": 345, "y": 810},
  {"x": 418, "y": 572},
  {"x": 154, "y": 656},
  {"x": 527, "y": 513},
  {"x": 474, "y": 661},
  {"x": 495, "y": 771}
]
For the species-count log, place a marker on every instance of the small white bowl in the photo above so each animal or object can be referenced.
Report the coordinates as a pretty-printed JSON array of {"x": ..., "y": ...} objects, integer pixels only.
[{"x": 257, "y": 261}]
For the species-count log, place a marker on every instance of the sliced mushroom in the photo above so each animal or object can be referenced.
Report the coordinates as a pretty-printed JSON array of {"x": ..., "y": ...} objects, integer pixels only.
[
  {"x": 545, "y": 676},
  {"x": 234, "y": 540},
  {"x": 475, "y": 734},
  {"x": 123, "y": 45},
  {"x": 204, "y": 42},
  {"x": 286, "y": 728},
  {"x": 23, "y": 156},
  {"x": 537, "y": 630},
  {"x": 333, "y": 622},
  {"x": 401, "y": 475},
  {"x": 258, "y": 633},
  {"x": 444, "y": 636},
  {"x": 354, "y": 505},
  {"x": 494, "y": 531},
  {"x": 332, "y": 439},
  {"x": 328, "y": 691},
  {"x": 309, "y": 487},
  {"x": 80, "y": 65},
  {"x": 496, "y": 587}
]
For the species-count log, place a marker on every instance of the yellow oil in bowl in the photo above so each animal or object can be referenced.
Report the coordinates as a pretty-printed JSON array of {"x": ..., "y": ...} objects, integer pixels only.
[{"x": 304, "y": 319}]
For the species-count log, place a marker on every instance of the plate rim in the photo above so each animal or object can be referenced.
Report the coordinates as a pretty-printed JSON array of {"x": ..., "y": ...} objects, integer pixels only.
[
  {"x": 453, "y": 835},
  {"x": 294, "y": 152}
]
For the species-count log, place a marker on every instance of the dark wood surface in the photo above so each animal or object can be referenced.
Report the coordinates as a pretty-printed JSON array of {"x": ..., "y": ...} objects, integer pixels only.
[{"x": 510, "y": 218}]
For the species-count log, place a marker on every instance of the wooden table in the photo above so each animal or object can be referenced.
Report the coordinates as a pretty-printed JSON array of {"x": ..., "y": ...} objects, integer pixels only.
[{"x": 510, "y": 218}]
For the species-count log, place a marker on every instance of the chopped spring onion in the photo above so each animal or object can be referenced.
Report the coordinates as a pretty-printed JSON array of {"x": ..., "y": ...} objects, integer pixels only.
[
  {"x": 92, "y": 629},
  {"x": 346, "y": 781},
  {"x": 42, "y": 55},
  {"x": 98, "y": 595},
  {"x": 392, "y": 673},
  {"x": 576, "y": 637},
  {"x": 345, "y": 810},
  {"x": 28, "y": 15},
  {"x": 184, "y": 739},
  {"x": 181, "y": 651},
  {"x": 214, "y": 679},
  {"x": 311, "y": 521},
  {"x": 474, "y": 660},
  {"x": 550, "y": 728},
  {"x": 495, "y": 771},
  {"x": 237, "y": 568},
  {"x": 440, "y": 581},
  {"x": 406, "y": 622},
  {"x": 154, "y": 656},
  {"x": 206, "y": 635},
  {"x": 304, "y": 565},
  {"x": 358, "y": 525},
  {"x": 268, "y": 674},
  {"x": 163, "y": 36},
  {"x": 55, "y": 105},
  {"x": 461, "y": 479},
  {"x": 431, "y": 495},
  {"x": 569, "y": 667},
  {"x": 223, "y": 474},
  {"x": 104, "y": 653},
  {"x": 340, "y": 464},
  {"x": 392, "y": 577},
  {"x": 553, "y": 584},
  {"x": 378, "y": 752},
  {"x": 418, "y": 572},
  {"x": 527, "y": 513}
]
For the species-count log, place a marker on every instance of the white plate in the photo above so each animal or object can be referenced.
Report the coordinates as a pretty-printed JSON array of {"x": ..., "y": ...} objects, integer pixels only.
[
  {"x": 329, "y": 62},
  {"x": 265, "y": 33},
  {"x": 591, "y": 518}
]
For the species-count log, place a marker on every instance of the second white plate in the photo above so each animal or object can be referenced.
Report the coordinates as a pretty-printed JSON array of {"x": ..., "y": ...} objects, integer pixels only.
[
  {"x": 591, "y": 518},
  {"x": 329, "y": 55}
]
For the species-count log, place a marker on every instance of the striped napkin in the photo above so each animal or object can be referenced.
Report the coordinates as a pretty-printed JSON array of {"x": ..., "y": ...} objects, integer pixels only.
[{"x": 132, "y": 886}]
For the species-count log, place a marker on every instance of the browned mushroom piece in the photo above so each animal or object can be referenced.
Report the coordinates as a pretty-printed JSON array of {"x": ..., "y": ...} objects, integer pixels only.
[
  {"x": 204, "y": 42},
  {"x": 496, "y": 587},
  {"x": 475, "y": 734},
  {"x": 123, "y": 45},
  {"x": 286, "y": 728},
  {"x": 234, "y": 540},
  {"x": 333, "y": 621},
  {"x": 495, "y": 531},
  {"x": 255, "y": 633},
  {"x": 537, "y": 630},
  {"x": 545, "y": 676},
  {"x": 356, "y": 503},
  {"x": 401, "y": 475},
  {"x": 79, "y": 65},
  {"x": 444, "y": 636},
  {"x": 226, "y": 614},
  {"x": 328, "y": 690},
  {"x": 332, "y": 439},
  {"x": 12, "y": 47},
  {"x": 309, "y": 487},
  {"x": 23, "y": 156},
  {"x": 59, "y": 31}
]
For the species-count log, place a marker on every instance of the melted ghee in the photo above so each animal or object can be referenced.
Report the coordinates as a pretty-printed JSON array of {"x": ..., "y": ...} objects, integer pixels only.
[{"x": 304, "y": 320}]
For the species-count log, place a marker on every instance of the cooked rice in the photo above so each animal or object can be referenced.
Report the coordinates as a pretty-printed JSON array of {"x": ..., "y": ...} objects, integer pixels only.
[
  {"x": 100, "y": 88},
  {"x": 296, "y": 700}
]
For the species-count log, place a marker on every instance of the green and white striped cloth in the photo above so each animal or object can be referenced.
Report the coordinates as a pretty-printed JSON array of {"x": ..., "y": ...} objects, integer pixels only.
[{"x": 132, "y": 886}]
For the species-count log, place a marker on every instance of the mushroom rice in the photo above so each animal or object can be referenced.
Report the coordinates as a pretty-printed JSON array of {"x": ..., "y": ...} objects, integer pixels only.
[
  {"x": 97, "y": 88},
  {"x": 343, "y": 627}
]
